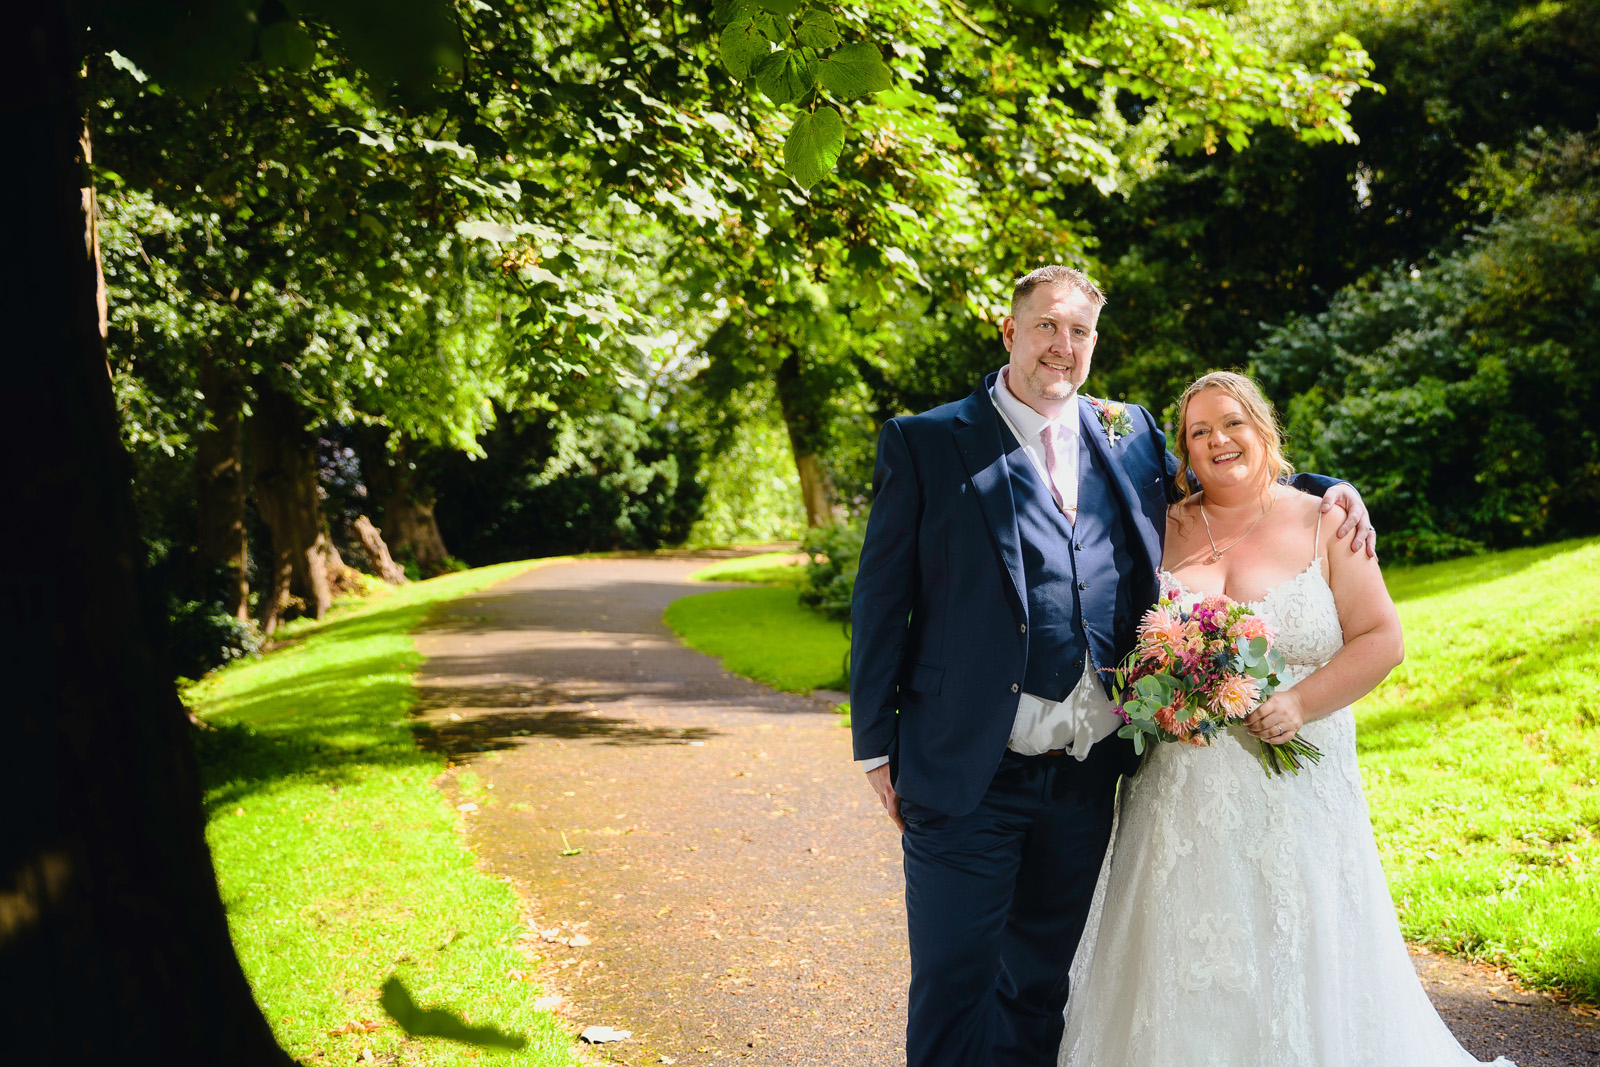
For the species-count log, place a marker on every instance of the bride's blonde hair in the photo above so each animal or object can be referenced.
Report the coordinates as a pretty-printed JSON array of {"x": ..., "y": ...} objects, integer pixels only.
[{"x": 1257, "y": 411}]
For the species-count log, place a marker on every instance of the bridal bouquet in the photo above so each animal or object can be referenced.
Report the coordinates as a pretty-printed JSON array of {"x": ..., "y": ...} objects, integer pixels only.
[{"x": 1196, "y": 670}]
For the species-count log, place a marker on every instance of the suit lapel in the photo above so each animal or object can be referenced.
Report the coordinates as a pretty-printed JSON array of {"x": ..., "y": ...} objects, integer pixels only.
[
  {"x": 1095, "y": 435},
  {"x": 981, "y": 440}
]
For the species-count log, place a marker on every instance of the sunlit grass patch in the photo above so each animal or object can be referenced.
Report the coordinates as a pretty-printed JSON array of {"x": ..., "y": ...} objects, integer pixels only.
[
  {"x": 339, "y": 862},
  {"x": 1481, "y": 756},
  {"x": 765, "y": 634},
  {"x": 769, "y": 567}
]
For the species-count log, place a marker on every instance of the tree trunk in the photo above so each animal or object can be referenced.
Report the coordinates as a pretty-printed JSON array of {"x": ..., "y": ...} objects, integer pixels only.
[
  {"x": 221, "y": 545},
  {"x": 406, "y": 502},
  {"x": 288, "y": 501},
  {"x": 805, "y": 425},
  {"x": 114, "y": 947},
  {"x": 378, "y": 552}
]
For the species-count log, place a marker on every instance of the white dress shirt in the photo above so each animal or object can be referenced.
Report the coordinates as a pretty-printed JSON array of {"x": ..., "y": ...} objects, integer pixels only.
[{"x": 1085, "y": 715}]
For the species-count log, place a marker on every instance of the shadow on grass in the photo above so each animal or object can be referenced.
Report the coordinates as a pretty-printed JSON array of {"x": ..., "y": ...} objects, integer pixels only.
[
  {"x": 1452, "y": 576},
  {"x": 1499, "y": 675},
  {"x": 440, "y": 1022}
]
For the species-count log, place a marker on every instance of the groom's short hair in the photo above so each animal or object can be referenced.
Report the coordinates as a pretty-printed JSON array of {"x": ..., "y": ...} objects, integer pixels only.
[{"x": 1056, "y": 274}]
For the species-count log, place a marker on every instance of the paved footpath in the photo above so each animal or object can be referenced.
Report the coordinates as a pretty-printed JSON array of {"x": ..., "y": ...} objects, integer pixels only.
[{"x": 732, "y": 892}]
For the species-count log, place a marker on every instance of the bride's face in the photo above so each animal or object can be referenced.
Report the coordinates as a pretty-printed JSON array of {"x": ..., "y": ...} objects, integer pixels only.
[{"x": 1224, "y": 448}]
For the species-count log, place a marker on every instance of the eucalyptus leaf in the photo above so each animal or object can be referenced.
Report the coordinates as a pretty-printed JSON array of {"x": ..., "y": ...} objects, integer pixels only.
[
  {"x": 854, "y": 70},
  {"x": 784, "y": 78},
  {"x": 813, "y": 146}
]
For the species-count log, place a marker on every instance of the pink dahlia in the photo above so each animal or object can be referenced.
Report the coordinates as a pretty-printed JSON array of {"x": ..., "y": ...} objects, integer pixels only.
[
  {"x": 1167, "y": 719},
  {"x": 1249, "y": 627},
  {"x": 1236, "y": 695},
  {"x": 1160, "y": 625}
]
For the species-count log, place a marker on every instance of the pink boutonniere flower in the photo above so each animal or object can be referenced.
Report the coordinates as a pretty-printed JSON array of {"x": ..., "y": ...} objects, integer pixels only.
[{"x": 1114, "y": 418}]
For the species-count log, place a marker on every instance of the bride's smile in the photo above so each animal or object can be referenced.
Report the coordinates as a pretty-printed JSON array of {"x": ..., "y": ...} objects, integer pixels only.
[{"x": 1224, "y": 443}]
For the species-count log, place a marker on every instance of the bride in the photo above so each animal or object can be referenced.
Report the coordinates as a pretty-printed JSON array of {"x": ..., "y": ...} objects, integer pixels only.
[{"x": 1244, "y": 921}]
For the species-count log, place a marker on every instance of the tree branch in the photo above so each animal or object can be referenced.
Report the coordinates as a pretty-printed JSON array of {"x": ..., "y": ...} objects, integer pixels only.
[{"x": 616, "y": 15}]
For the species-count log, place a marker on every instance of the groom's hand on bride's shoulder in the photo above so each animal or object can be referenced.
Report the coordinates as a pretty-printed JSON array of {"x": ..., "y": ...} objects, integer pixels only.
[
  {"x": 879, "y": 778},
  {"x": 1356, "y": 518}
]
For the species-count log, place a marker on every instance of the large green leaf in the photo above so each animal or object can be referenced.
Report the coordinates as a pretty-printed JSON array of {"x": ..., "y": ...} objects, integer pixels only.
[
  {"x": 781, "y": 7},
  {"x": 816, "y": 30},
  {"x": 742, "y": 46},
  {"x": 726, "y": 11},
  {"x": 813, "y": 147},
  {"x": 854, "y": 70},
  {"x": 783, "y": 76}
]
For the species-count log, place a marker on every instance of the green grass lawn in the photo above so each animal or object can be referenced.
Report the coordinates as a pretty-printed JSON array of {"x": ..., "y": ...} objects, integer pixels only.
[
  {"x": 777, "y": 568},
  {"x": 1481, "y": 753},
  {"x": 339, "y": 862},
  {"x": 764, "y": 633}
]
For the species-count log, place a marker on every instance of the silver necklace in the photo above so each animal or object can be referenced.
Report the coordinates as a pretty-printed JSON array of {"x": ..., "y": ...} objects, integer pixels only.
[{"x": 1216, "y": 553}]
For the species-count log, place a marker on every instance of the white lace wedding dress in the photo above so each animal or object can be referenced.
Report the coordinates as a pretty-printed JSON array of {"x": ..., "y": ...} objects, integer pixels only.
[{"x": 1242, "y": 921}]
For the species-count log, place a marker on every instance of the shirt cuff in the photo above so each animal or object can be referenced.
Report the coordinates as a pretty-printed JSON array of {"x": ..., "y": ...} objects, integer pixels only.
[{"x": 871, "y": 764}]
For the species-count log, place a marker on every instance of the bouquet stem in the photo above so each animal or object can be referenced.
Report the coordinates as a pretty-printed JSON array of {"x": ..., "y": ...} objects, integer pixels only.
[{"x": 1287, "y": 758}]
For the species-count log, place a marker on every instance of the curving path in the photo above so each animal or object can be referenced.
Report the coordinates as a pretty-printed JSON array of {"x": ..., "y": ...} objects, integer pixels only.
[{"x": 737, "y": 896}]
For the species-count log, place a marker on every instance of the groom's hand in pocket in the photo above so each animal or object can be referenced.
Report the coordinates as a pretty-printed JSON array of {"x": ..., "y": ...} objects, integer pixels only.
[{"x": 879, "y": 777}]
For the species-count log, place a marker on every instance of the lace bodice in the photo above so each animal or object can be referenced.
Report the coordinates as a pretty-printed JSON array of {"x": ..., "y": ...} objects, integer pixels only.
[{"x": 1242, "y": 919}]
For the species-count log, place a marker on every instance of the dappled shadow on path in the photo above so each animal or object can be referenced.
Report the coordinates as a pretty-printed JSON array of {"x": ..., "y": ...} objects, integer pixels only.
[{"x": 500, "y": 730}]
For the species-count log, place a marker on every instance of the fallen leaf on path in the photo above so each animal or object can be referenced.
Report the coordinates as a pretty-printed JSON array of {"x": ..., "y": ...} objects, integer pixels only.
[
  {"x": 467, "y": 807},
  {"x": 600, "y": 1035},
  {"x": 578, "y": 941},
  {"x": 364, "y": 1026},
  {"x": 548, "y": 1003}
]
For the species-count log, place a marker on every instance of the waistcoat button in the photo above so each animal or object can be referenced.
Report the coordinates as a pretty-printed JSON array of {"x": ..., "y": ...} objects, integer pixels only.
[
  {"x": 1083, "y": 585},
  {"x": 1015, "y": 688},
  {"x": 1022, "y": 628}
]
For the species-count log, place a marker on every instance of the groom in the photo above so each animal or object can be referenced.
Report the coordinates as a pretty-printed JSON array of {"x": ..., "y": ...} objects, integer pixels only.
[{"x": 1014, "y": 543}]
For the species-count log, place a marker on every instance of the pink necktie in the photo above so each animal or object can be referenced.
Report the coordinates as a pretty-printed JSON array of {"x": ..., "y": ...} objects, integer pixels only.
[{"x": 1055, "y": 466}]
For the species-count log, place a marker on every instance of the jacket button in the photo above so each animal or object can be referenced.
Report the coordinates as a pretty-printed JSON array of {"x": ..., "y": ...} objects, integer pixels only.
[
  {"x": 1015, "y": 688},
  {"x": 1078, "y": 546},
  {"x": 1083, "y": 585},
  {"x": 1022, "y": 628}
]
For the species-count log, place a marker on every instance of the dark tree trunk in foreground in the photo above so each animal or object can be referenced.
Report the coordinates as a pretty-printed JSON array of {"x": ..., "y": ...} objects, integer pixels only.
[
  {"x": 221, "y": 545},
  {"x": 405, "y": 500},
  {"x": 303, "y": 562},
  {"x": 804, "y": 423},
  {"x": 114, "y": 947}
]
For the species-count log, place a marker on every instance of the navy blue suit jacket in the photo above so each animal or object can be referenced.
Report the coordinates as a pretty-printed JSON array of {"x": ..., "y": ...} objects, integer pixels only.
[{"x": 938, "y": 650}]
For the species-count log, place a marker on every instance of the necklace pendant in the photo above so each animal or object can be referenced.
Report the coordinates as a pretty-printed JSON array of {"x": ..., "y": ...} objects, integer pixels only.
[{"x": 1214, "y": 557}]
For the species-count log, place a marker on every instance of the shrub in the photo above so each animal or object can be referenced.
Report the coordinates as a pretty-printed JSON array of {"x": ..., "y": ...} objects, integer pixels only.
[
  {"x": 830, "y": 578},
  {"x": 1461, "y": 398},
  {"x": 204, "y": 636}
]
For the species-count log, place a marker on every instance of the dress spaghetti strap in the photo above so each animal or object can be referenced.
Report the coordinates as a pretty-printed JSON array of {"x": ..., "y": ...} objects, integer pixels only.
[{"x": 1316, "y": 545}]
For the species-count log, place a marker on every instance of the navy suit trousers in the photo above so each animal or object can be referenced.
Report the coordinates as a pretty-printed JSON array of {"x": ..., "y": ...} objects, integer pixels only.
[{"x": 996, "y": 902}]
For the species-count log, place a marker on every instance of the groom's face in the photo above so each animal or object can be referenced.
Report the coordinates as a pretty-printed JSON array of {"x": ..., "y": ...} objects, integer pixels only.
[{"x": 1051, "y": 339}]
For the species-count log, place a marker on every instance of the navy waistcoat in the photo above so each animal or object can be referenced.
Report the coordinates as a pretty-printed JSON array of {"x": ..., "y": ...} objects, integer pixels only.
[{"x": 1078, "y": 600}]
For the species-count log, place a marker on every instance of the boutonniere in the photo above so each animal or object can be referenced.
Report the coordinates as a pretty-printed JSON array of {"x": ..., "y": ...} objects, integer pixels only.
[{"x": 1114, "y": 418}]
